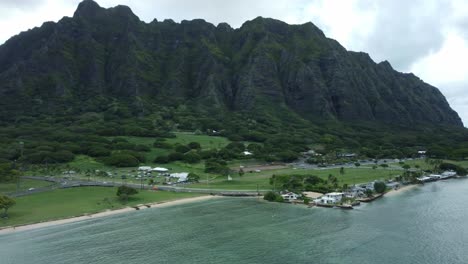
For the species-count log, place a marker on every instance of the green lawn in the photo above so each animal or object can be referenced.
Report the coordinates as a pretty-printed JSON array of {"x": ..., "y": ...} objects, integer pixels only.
[
  {"x": 249, "y": 181},
  {"x": 423, "y": 165},
  {"x": 84, "y": 162},
  {"x": 64, "y": 203},
  {"x": 24, "y": 184},
  {"x": 206, "y": 142}
]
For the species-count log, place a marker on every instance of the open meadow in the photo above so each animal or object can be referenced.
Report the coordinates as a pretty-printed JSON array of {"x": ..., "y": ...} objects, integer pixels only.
[{"x": 64, "y": 203}]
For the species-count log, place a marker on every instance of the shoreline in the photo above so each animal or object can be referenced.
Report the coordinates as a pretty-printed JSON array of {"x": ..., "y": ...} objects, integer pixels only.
[
  {"x": 401, "y": 190},
  {"x": 13, "y": 229}
]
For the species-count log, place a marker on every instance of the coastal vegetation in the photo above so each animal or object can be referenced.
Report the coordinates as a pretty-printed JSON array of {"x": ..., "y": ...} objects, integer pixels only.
[
  {"x": 124, "y": 192},
  {"x": 5, "y": 204}
]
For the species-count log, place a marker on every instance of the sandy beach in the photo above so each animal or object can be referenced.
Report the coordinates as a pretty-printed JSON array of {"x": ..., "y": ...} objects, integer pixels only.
[
  {"x": 8, "y": 230},
  {"x": 402, "y": 189}
]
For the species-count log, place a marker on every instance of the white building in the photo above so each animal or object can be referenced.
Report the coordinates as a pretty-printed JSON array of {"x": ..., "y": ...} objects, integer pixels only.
[
  {"x": 448, "y": 174},
  {"x": 370, "y": 185},
  {"x": 144, "y": 168},
  {"x": 247, "y": 153},
  {"x": 181, "y": 176},
  {"x": 330, "y": 198},
  {"x": 159, "y": 169},
  {"x": 290, "y": 196}
]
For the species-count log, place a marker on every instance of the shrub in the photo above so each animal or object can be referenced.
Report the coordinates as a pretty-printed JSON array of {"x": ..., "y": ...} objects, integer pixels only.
[
  {"x": 142, "y": 148},
  {"x": 270, "y": 196},
  {"x": 191, "y": 157},
  {"x": 216, "y": 166},
  {"x": 182, "y": 149},
  {"x": 161, "y": 159},
  {"x": 124, "y": 192},
  {"x": 192, "y": 177},
  {"x": 98, "y": 152},
  {"x": 63, "y": 156},
  {"x": 121, "y": 160},
  {"x": 163, "y": 145},
  {"x": 194, "y": 145},
  {"x": 287, "y": 156},
  {"x": 379, "y": 187},
  {"x": 174, "y": 156}
]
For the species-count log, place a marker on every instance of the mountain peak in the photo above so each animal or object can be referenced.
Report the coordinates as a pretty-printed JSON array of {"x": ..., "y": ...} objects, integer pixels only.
[{"x": 87, "y": 8}]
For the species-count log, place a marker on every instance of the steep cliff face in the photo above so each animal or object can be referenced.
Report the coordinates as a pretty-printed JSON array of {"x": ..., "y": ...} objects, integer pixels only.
[{"x": 266, "y": 63}]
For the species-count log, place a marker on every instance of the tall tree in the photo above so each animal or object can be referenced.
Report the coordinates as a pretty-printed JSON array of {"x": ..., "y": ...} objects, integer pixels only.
[{"x": 5, "y": 204}]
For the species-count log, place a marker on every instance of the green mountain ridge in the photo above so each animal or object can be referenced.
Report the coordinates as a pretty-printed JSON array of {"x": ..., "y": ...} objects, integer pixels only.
[{"x": 100, "y": 58}]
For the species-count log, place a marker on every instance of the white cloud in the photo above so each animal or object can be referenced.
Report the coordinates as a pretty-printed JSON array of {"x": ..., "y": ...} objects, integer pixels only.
[
  {"x": 24, "y": 15},
  {"x": 448, "y": 65}
]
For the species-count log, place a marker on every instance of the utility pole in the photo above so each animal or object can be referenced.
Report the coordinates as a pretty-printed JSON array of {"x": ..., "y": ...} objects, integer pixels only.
[
  {"x": 18, "y": 183},
  {"x": 141, "y": 181}
]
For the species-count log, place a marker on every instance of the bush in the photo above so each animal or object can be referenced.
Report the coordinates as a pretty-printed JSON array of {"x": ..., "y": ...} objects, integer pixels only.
[
  {"x": 141, "y": 157},
  {"x": 216, "y": 166},
  {"x": 123, "y": 145},
  {"x": 194, "y": 145},
  {"x": 124, "y": 192},
  {"x": 449, "y": 166},
  {"x": 161, "y": 159},
  {"x": 192, "y": 157},
  {"x": 163, "y": 145},
  {"x": 379, "y": 187},
  {"x": 143, "y": 148},
  {"x": 98, "y": 152},
  {"x": 182, "y": 149},
  {"x": 208, "y": 154},
  {"x": 63, "y": 156},
  {"x": 270, "y": 196},
  {"x": 287, "y": 156},
  {"x": 192, "y": 177},
  {"x": 121, "y": 160},
  {"x": 174, "y": 156}
]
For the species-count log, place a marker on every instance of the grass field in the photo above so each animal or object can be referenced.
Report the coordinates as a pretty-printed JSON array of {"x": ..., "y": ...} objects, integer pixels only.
[
  {"x": 64, "y": 203},
  {"x": 249, "y": 181},
  {"x": 424, "y": 165},
  {"x": 24, "y": 184},
  {"x": 83, "y": 162},
  {"x": 206, "y": 142}
]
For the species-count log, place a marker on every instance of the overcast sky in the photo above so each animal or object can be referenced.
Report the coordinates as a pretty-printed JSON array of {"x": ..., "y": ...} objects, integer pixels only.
[{"x": 426, "y": 37}]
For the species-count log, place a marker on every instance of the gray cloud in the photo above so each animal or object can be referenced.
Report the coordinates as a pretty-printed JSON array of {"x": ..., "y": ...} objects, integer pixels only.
[
  {"x": 21, "y": 4},
  {"x": 233, "y": 12},
  {"x": 405, "y": 31}
]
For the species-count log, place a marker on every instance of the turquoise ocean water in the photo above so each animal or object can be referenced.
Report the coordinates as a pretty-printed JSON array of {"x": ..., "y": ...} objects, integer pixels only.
[{"x": 428, "y": 224}]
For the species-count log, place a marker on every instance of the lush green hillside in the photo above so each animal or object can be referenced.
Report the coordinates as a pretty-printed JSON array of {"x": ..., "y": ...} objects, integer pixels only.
[
  {"x": 103, "y": 89},
  {"x": 107, "y": 60}
]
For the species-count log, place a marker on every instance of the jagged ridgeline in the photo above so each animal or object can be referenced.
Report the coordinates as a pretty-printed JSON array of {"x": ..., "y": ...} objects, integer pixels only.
[{"x": 107, "y": 61}]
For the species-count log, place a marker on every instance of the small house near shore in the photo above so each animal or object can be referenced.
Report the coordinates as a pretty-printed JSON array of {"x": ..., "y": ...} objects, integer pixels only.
[
  {"x": 289, "y": 196},
  {"x": 330, "y": 198}
]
